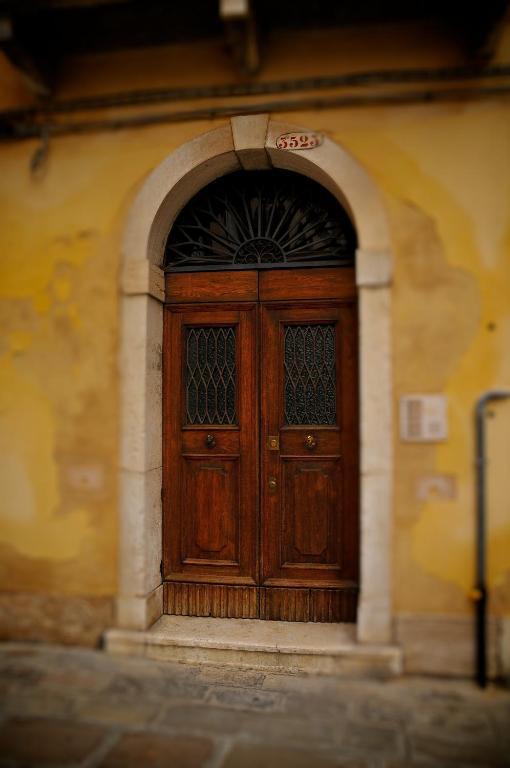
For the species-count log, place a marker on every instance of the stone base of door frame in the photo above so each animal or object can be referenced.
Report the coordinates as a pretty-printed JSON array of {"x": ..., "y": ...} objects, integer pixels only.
[
  {"x": 275, "y": 646},
  {"x": 444, "y": 645}
]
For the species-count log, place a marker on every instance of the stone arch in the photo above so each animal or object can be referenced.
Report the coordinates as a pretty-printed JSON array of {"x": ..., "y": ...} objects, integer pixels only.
[{"x": 247, "y": 143}]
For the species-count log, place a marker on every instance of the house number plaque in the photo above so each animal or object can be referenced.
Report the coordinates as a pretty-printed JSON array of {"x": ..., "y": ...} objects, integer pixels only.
[{"x": 299, "y": 140}]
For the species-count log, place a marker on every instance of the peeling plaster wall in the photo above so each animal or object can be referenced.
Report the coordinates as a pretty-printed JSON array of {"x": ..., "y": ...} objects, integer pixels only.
[
  {"x": 449, "y": 204},
  {"x": 441, "y": 169},
  {"x": 59, "y": 302}
]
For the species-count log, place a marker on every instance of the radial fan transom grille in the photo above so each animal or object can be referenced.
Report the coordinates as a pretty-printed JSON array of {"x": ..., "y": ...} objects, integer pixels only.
[{"x": 260, "y": 219}]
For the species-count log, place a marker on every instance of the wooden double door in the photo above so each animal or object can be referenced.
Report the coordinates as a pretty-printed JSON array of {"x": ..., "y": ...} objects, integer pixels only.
[{"x": 260, "y": 475}]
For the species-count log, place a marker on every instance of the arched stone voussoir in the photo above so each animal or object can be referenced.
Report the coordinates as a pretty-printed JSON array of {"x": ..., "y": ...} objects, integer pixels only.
[
  {"x": 336, "y": 169},
  {"x": 250, "y": 143},
  {"x": 169, "y": 187}
]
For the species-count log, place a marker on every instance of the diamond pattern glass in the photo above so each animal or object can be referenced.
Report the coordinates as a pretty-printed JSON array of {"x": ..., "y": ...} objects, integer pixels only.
[
  {"x": 309, "y": 362},
  {"x": 210, "y": 375}
]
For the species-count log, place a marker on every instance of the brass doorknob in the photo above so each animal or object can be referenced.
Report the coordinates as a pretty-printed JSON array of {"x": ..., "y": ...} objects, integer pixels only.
[
  {"x": 272, "y": 483},
  {"x": 310, "y": 442},
  {"x": 210, "y": 441}
]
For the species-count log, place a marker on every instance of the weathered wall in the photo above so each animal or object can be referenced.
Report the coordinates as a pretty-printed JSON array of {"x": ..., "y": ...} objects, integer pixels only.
[
  {"x": 441, "y": 170},
  {"x": 449, "y": 208},
  {"x": 59, "y": 241}
]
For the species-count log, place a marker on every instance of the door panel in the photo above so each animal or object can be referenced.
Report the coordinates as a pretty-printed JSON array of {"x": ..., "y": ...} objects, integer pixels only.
[
  {"x": 309, "y": 503},
  {"x": 311, "y": 491},
  {"x": 194, "y": 287},
  {"x": 260, "y": 404},
  {"x": 315, "y": 283},
  {"x": 220, "y": 600},
  {"x": 211, "y": 449},
  {"x": 210, "y": 495}
]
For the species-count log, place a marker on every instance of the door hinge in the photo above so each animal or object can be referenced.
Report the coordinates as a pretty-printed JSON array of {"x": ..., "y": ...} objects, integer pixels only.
[{"x": 161, "y": 570}]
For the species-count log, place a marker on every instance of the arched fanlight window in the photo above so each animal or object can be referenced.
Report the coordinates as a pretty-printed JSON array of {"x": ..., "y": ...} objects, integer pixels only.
[{"x": 260, "y": 220}]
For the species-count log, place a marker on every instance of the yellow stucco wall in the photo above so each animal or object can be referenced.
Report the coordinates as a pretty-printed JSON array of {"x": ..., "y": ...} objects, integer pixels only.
[
  {"x": 450, "y": 214},
  {"x": 442, "y": 171}
]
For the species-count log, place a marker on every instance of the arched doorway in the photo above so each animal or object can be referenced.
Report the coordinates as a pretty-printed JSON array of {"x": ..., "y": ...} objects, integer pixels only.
[
  {"x": 260, "y": 403},
  {"x": 250, "y": 143}
]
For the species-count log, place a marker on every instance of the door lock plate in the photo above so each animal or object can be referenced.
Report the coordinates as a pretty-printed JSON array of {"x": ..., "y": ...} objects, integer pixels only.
[{"x": 273, "y": 443}]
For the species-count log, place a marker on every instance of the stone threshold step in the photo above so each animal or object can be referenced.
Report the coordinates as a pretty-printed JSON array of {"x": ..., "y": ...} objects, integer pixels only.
[{"x": 269, "y": 645}]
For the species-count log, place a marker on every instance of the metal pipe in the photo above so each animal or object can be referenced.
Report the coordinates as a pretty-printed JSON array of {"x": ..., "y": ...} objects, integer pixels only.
[
  {"x": 479, "y": 592},
  {"x": 19, "y": 129},
  {"x": 361, "y": 79}
]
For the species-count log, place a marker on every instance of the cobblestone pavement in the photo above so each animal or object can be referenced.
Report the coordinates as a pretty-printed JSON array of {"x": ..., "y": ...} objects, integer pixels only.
[{"x": 75, "y": 707}]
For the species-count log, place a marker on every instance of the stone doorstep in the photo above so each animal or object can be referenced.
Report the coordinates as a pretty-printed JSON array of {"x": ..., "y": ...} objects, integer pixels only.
[{"x": 271, "y": 645}]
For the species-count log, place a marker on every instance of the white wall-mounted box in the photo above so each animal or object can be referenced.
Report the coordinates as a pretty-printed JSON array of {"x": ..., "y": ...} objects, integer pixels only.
[{"x": 423, "y": 418}]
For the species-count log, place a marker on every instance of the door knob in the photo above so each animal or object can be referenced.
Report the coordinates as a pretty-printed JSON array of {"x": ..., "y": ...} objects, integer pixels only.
[
  {"x": 310, "y": 442},
  {"x": 210, "y": 441},
  {"x": 272, "y": 483}
]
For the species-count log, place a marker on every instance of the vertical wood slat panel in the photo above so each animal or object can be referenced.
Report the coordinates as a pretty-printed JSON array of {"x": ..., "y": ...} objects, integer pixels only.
[
  {"x": 270, "y": 603},
  {"x": 333, "y": 605},
  {"x": 317, "y": 605},
  {"x": 284, "y": 604},
  {"x": 216, "y": 600}
]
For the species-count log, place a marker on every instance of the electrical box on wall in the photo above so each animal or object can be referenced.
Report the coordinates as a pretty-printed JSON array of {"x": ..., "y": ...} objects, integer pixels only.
[{"x": 423, "y": 418}]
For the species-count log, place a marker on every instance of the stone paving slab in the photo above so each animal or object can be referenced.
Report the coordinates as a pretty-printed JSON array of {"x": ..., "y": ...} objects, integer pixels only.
[
  {"x": 156, "y": 750},
  {"x": 257, "y": 756},
  {"x": 43, "y": 741},
  {"x": 77, "y": 708}
]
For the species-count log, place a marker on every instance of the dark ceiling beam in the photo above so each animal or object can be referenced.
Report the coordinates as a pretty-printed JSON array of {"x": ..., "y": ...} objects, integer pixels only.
[
  {"x": 31, "y": 66},
  {"x": 241, "y": 34},
  {"x": 81, "y": 3},
  {"x": 483, "y": 25},
  {"x": 487, "y": 47}
]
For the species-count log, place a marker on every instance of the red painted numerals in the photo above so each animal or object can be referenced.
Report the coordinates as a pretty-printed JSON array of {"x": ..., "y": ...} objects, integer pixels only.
[{"x": 298, "y": 140}]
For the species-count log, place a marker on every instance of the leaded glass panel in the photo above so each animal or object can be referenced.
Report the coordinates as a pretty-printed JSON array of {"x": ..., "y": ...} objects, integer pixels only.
[
  {"x": 310, "y": 378},
  {"x": 210, "y": 375}
]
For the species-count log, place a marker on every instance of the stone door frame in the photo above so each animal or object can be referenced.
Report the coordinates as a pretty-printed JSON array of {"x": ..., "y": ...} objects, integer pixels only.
[{"x": 247, "y": 143}]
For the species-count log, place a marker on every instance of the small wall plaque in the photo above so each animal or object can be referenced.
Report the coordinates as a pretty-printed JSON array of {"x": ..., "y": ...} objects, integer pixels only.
[
  {"x": 299, "y": 140},
  {"x": 436, "y": 487}
]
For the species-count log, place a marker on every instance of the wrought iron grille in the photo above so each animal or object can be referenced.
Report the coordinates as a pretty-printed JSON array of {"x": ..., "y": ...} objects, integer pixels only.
[
  {"x": 310, "y": 381},
  {"x": 258, "y": 220},
  {"x": 210, "y": 377}
]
